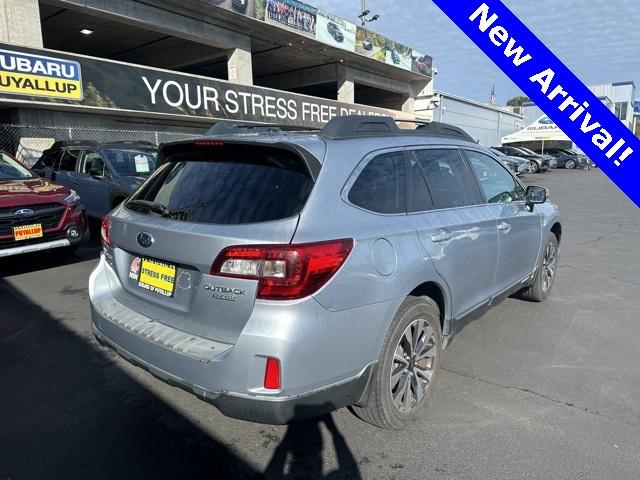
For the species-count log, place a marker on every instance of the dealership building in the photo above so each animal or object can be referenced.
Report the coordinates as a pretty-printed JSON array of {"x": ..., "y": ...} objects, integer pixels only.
[{"x": 166, "y": 70}]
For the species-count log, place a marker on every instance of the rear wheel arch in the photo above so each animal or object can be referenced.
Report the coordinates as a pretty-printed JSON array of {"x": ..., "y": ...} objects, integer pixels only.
[{"x": 436, "y": 292}]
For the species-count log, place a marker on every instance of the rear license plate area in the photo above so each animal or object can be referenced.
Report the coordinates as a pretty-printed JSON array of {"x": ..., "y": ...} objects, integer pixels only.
[{"x": 154, "y": 276}]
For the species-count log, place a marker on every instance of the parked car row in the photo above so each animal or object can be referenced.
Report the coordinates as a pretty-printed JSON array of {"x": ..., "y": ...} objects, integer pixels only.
[
  {"x": 49, "y": 206},
  {"x": 543, "y": 160}
]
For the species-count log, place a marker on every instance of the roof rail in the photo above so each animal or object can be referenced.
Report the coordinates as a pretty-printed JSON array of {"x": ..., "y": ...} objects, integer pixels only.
[
  {"x": 439, "y": 129},
  {"x": 231, "y": 128},
  {"x": 357, "y": 126},
  {"x": 354, "y": 126}
]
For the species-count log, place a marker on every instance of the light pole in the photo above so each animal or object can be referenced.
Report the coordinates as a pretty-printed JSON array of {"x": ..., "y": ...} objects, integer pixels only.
[{"x": 364, "y": 13}]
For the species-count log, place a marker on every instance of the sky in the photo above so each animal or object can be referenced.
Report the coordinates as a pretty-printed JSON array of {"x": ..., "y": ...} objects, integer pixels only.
[{"x": 599, "y": 40}]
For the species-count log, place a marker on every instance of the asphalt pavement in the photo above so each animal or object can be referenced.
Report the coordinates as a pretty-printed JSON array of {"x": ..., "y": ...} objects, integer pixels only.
[{"x": 547, "y": 390}]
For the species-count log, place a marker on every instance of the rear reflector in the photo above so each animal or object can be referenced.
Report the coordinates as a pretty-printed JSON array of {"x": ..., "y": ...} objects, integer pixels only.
[
  {"x": 272, "y": 374},
  {"x": 284, "y": 272}
]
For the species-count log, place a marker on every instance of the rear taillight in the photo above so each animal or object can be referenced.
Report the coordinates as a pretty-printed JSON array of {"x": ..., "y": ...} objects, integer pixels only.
[
  {"x": 105, "y": 231},
  {"x": 284, "y": 272}
]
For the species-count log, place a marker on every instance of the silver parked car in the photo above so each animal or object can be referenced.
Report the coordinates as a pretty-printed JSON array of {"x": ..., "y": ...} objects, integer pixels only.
[{"x": 281, "y": 274}]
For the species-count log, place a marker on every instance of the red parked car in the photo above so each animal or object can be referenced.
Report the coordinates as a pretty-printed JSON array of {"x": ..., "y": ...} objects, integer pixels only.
[{"x": 36, "y": 214}]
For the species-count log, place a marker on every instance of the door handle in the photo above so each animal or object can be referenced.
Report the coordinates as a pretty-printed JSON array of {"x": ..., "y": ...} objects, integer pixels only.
[
  {"x": 504, "y": 227},
  {"x": 443, "y": 235}
]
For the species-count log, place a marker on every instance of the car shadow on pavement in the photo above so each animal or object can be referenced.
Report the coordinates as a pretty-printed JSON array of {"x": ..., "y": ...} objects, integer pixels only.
[
  {"x": 67, "y": 410},
  {"x": 299, "y": 454}
]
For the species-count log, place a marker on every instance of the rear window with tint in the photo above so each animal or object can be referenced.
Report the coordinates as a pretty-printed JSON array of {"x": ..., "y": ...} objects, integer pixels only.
[{"x": 231, "y": 186}]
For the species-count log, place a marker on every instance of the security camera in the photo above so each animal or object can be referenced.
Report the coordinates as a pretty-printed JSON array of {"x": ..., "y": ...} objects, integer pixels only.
[{"x": 435, "y": 71}]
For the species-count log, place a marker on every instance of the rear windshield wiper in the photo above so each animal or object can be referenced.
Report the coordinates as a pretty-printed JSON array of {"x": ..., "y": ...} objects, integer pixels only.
[{"x": 151, "y": 206}]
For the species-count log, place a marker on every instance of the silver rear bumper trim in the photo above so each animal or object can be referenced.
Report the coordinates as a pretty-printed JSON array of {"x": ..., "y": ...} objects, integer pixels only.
[
  {"x": 197, "y": 348},
  {"x": 37, "y": 247}
]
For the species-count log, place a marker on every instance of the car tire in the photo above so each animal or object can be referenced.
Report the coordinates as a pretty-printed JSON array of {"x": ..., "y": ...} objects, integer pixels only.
[
  {"x": 533, "y": 167},
  {"x": 545, "y": 274},
  {"x": 570, "y": 164},
  {"x": 391, "y": 406}
]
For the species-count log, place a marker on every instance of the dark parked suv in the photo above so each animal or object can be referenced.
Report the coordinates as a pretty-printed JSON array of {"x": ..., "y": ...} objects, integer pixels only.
[
  {"x": 102, "y": 174},
  {"x": 282, "y": 274}
]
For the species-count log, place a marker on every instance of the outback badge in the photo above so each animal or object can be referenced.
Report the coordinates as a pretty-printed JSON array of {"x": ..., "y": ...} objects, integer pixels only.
[{"x": 225, "y": 293}]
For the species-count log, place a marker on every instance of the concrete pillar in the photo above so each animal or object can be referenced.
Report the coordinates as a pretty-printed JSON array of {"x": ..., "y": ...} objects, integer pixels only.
[
  {"x": 239, "y": 66},
  {"x": 20, "y": 23},
  {"x": 346, "y": 85},
  {"x": 408, "y": 105}
]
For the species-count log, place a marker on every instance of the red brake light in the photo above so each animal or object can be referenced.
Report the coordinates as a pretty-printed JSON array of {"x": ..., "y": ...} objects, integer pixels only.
[
  {"x": 105, "y": 231},
  {"x": 272, "y": 374},
  {"x": 284, "y": 272}
]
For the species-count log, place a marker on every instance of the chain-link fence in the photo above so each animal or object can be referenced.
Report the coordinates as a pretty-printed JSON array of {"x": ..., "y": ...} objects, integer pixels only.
[{"x": 27, "y": 142}]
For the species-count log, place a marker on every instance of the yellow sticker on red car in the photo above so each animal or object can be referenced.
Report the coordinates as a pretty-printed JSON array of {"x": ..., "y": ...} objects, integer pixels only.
[
  {"x": 157, "y": 277},
  {"x": 28, "y": 232}
]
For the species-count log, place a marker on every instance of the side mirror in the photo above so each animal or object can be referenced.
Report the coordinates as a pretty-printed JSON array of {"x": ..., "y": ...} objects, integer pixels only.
[
  {"x": 536, "y": 196},
  {"x": 95, "y": 172}
]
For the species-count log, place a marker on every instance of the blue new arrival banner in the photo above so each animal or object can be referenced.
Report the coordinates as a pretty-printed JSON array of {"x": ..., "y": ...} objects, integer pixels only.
[{"x": 552, "y": 86}]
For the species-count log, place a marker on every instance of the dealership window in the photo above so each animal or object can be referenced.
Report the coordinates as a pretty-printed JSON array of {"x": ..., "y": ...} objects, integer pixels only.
[{"x": 622, "y": 110}]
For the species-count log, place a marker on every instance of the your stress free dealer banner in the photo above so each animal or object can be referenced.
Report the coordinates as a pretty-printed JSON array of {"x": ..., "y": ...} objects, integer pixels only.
[
  {"x": 76, "y": 81},
  {"x": 552, "y": 86}
]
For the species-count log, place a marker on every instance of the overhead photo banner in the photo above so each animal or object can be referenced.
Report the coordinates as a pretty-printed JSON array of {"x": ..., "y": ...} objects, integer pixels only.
[
  {"x": 552, "y": 86},
  {"x": 74, "y": 81}
]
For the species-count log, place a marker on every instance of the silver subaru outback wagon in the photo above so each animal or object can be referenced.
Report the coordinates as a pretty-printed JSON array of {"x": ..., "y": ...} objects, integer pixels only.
[{"x": 282, "y": 274}]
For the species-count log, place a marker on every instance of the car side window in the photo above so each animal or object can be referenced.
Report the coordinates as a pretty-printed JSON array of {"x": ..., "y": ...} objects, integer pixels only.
[
  {"x": 380, "y": 187},
  {"x": 69, "y": 160},
  {"x": 92, "y": 163},
  {"x": 418, "y": 197},
  {"x": 447, "y": 178},
  {"x": 496, "y": 183}
]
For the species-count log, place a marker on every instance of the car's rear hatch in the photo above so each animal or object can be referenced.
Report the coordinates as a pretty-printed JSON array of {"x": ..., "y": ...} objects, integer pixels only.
[{"x": 214, "y": 195}]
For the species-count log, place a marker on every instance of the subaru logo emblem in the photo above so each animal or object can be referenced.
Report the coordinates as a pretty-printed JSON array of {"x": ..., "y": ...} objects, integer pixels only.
[
  {"x": 24, "y": 213},
  {"x": 145, "y": 239}
]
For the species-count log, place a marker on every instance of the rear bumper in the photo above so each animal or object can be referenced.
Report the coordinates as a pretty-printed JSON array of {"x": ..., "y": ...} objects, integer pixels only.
[
  {"x": 231, "y": 376},
  {"x": 267, "y": 410}
]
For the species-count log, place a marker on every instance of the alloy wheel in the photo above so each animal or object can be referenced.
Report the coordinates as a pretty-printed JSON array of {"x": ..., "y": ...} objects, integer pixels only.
[
  {"x": 570, "y": 164},
  {"x": 549, "y": 266},
  {"x": 412, "y": 366}
]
